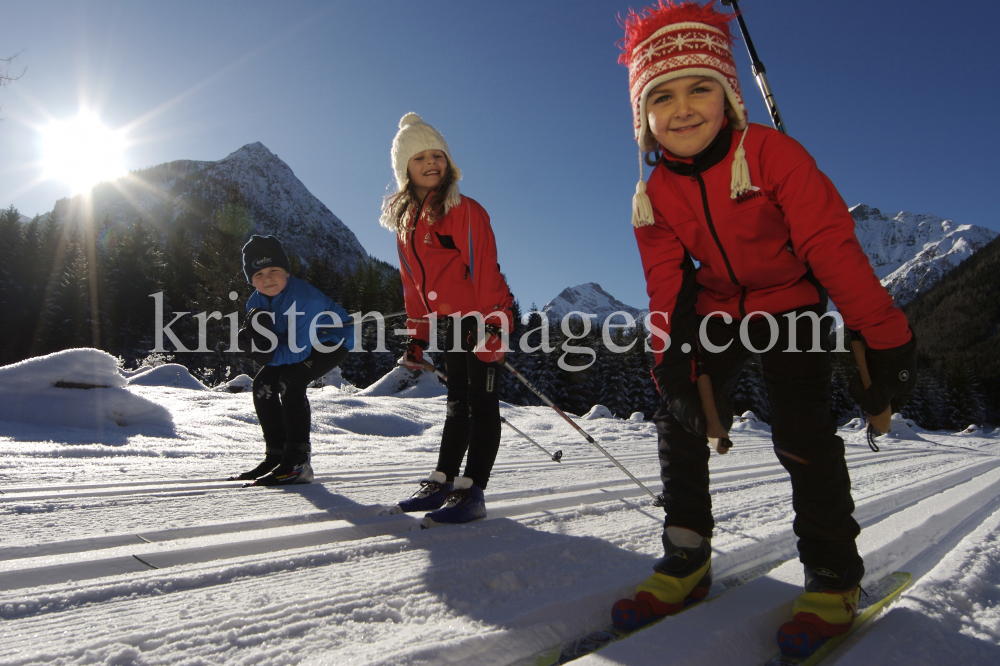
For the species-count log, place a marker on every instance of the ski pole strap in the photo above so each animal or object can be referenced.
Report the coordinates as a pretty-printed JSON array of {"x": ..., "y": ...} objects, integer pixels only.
[{"x": 656, "y": 500}]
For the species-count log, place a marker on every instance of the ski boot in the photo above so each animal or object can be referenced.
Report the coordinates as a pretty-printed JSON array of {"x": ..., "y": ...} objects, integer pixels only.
[
  {"x": 682, "y": 576},
  {"x": 464, "y": 504},
  {"x": 827, "y": 608},
  {"x": 272, "y": 458},
  {"x": 433, "y": 493},
  {"x": 294, "y": 468}
]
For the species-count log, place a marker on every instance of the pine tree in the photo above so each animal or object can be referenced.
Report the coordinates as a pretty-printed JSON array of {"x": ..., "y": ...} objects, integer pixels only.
[
  {"x": 219, "y": 269},
  {"x": 11, "y": 282},
  {"x": 135, "y": 270}
]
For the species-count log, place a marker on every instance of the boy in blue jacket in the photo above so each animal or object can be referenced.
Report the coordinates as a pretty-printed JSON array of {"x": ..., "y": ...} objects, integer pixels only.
[{"x": 298, "y": 334}]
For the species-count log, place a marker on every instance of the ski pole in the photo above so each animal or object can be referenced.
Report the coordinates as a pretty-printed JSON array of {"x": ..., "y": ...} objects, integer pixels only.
[
  {"x": 657, "y": 500},
  {"x": 388, "y": 316},
  {"x": 879, "y": 423},
  {"x": 759, "y": 74},
  {"x": 556, "y": 457}
]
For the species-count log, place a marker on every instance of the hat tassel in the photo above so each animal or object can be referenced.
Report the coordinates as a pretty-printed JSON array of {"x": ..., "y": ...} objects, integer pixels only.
[
  {"x": 642, "y": 209},
  {"x": 740, "y": 181}
]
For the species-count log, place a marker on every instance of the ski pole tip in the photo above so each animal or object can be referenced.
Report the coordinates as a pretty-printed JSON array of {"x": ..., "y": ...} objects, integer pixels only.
[{"x": 557, "y": 456}]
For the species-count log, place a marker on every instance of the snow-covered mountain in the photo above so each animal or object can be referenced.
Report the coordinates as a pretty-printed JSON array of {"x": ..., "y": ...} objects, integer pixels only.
[
  {"x": 280, "y": 203},
  {"x": 910, "y": 253},
  {"x": 589, "y": 298}
]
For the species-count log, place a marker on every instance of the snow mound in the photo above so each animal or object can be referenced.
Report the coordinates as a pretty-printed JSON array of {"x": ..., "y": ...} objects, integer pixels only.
[
  {"x": 637, "y": 416},
  {"x": 134, "y": 373},
  {"x": 598, "y": 412},
  {"x": 401, "y": 383},
  {"x": 336, "y": 380},
  {"x": 78, "y": 388},
  {"x": 170, "y": 374},
  {"x": 238, "y": 384},
  {"x": 901, "y": 429},
  {"x": 748, "y": 422},
  {"x": 72, "y": 368}
]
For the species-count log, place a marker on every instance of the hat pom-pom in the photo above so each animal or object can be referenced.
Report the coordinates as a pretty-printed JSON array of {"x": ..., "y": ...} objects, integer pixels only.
[
  {"x": 409, "y": 119},
  {"x": 642, "y": 209}
]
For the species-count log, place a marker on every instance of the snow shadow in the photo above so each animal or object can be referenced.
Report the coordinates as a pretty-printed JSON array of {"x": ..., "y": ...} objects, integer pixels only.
[
  {"x": 105, "y": 433},
  {"x": 507, "y": 574},
  {"x": 908, "y": 637}
]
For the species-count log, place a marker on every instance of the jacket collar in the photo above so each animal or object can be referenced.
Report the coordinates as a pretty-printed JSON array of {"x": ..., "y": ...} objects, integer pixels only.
[{"x": 714, "y": 153}]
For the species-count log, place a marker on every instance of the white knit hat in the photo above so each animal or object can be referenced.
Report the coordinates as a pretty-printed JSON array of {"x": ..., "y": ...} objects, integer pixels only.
[{"x": 415, "y": 136}]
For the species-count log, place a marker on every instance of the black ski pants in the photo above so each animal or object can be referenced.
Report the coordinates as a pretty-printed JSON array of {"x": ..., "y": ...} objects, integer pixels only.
[
  {"x": 804, "y": 434},
  {"x": 473, "y": 419},
  {"x": 279, "y": 396}
]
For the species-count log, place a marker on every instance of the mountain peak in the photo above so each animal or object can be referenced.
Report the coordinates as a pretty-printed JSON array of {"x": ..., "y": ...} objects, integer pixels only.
[
  {"x": 588, "y": 298},
  {"x": 280, "y": 203},
  {"x": 910, "y": 252}
]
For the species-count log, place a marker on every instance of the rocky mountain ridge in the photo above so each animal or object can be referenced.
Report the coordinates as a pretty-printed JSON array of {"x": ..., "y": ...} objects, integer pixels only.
[{"x": 184, "y": 190}]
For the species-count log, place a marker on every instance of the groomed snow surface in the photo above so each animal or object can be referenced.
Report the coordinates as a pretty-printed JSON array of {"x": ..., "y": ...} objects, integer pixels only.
[{"x": 95, "y": 479}]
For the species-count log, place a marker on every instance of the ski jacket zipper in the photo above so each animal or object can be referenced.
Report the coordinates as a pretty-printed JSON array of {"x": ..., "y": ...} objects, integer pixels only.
[
  {"x": 423, "y": 273},
  {"x": 718, "y": 243}
]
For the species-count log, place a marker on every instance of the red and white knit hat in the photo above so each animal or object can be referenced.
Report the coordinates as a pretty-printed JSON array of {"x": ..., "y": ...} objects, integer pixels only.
[{"x": 668, "y": 41}]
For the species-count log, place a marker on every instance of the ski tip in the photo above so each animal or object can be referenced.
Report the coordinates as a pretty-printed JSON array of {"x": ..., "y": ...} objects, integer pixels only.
[{"x": 391, "y": 511}]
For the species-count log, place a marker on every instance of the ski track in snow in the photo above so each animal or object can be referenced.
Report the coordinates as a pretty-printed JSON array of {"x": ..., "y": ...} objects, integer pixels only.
[{"x": 311, "y": 574}]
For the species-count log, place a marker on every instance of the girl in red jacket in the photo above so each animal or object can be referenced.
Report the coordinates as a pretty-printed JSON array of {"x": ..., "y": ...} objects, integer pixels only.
[
  {"x": 772, "y": 239},
  {"x": 448, "y": 262}
]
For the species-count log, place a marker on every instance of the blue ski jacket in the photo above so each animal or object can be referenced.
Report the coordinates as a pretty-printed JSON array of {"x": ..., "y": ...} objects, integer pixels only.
[{"x": 309, "y": 304}]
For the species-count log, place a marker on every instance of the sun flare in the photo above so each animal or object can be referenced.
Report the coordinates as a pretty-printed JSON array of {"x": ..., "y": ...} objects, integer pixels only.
[{"x": 82, "y": 152}]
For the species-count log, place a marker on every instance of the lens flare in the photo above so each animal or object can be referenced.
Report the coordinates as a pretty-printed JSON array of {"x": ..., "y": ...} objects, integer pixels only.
[{"x": 82, "y": 152}]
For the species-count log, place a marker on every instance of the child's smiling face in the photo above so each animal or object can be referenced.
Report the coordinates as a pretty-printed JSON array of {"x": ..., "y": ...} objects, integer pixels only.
[
  {"x": 426, "y": 170},
  {"x": 270, "y": 281},
  {"x": 686, "y": 114}
]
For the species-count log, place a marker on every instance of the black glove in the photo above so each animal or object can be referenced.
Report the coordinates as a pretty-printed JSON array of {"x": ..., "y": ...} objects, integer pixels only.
[
  {"x": 894, "y": 374},
  {"x": 685, "y": 406},
  {"x": 248, "y": 336}
]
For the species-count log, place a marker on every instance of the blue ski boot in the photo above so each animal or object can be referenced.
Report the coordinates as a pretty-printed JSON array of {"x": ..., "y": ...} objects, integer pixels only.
[
  {"x": 465, "y": 504},
  {"x": 433, "y": 493}
]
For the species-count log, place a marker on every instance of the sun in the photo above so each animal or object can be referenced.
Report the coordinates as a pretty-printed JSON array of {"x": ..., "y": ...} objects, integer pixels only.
[{"x": 82, "y": 152}]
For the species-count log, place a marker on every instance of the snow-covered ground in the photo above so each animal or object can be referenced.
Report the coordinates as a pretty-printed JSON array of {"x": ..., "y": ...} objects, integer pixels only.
[{"x": 122, "y": 545}]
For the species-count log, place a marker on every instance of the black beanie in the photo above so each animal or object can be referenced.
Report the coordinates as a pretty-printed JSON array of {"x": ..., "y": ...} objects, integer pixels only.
[{"x": 263, "y": 252}]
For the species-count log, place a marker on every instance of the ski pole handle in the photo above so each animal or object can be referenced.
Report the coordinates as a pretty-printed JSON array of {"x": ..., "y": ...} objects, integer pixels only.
[
  {"x": 881, "y": 422},
  {"x": 718, "y": 436}
]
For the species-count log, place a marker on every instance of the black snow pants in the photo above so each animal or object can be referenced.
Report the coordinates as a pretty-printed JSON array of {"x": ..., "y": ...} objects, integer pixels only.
[
  {"x": 473, "y": 419},
  {"x": 279, "y": 396},
  {"x": 804, "y": 434}
]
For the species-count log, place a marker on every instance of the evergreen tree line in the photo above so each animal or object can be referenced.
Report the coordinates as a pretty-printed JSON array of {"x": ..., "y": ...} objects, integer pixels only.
[{"x": 63, "y": 285}]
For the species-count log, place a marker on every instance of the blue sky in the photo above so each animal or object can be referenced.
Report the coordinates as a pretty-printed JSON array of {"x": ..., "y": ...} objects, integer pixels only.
[{"x": 897, "y": 102}]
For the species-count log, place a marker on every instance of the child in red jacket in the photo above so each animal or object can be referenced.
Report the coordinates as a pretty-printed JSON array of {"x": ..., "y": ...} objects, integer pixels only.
[
  {"x": 448, "y": 263},
  {"x": 772, "y": 239}
]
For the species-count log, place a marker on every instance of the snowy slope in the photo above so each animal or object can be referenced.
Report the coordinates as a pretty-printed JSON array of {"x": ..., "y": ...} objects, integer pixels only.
[
  {"x": 280, "y": 203},
  {"x": 590, "y": 299},
  {"x": 911, "y": 252},
  {"x": 312, "y": 575}
]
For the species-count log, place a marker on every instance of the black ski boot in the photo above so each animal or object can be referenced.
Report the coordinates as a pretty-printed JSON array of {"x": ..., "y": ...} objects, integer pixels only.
[
  {"x": 272, "y": 458},
  {"x": 294, "y": 467}
]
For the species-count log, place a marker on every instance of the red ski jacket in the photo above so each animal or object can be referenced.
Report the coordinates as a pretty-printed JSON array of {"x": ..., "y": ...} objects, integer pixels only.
[
  {"x": 756, "y": 251},
  {"x": 450, "y": 265}
]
